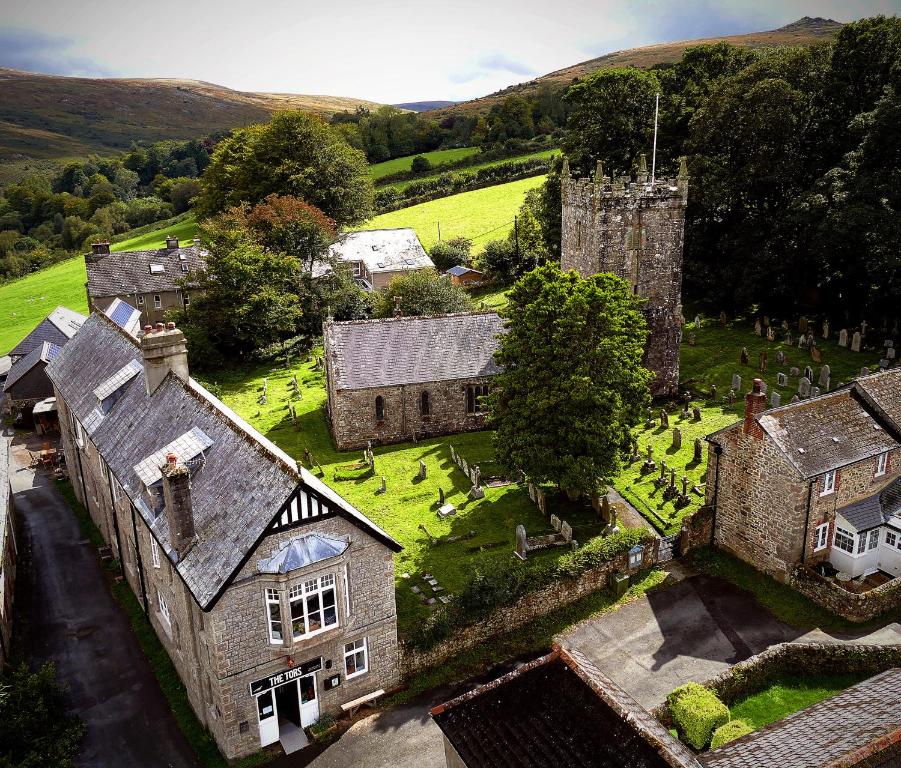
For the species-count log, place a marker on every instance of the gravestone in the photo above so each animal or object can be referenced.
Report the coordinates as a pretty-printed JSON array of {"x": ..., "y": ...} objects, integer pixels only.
[
  {"x": 771, "y": 334},
  {"x": 758, "y": 328},
  {"x": 422, "y": 470},
  {"x": 522, "y": 548},
  {"x": 795, "y": 399},
  {"x": 855, "y": 342},
  {"x": 713, "y": 391},
  {"x": 555, "y": 523},
  {"x": 384, "y": 487},
  {"x": 664, "y": 418},
  {"x": 785, "y": 325},
  {"x": 743, "y": 359},
  {"x": 698, "y": 451},
  {"x": 775, "y": 400},
  {"x": 763, "y": 387},
  {"x": 788, "y": 338},
  {"x": 890, "y": 353},
  {"x": 808, "y": 372},
  {"x": 567, "y": 531},
  {"x": 723, "y": 319},
  {"x": 864, "y": 371},
  {"x": 677, "y": 438},
  {"x": 781, "y": 380},
  {"x": 696, "y": 413},
  {"x": 649, "y": 422},
  {"x": 794, "y": 371},
  {"x": 814, "y": 391},
  {"x": 843, "y": 337},
  {"x": 889, "y": 343},
  {"x": 825, "y": 373},
  {"x": 440, "y": 496},
  {"x": 605, "y": 509},
  {"x": 691, "y": 339},
  {"x": 453, "y": 454},
  {"x": 811, "y": 342},
  {"x": 736, "y": 382},
  {"x": 762, "y": 361},
  {"x": 804, "y": 387},
  {"x": 816, "y": 355},
  {"x": 825, "y": 329},
  {"x": 697, "y": 321},
  {"x": 780, "y": 357},
  {"x": 730, "y": 397},
  {"x": 884, "y": 363}
]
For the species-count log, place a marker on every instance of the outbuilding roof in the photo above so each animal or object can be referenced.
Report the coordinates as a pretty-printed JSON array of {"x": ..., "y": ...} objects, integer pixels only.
[
  {"x": 238, "y": 489},
  {"x": 412, "y": 350},
  {"x": 43, "y": 353},
  {"x": 58, "y": 327},
  {"x": 128, "y": 272},
  {"x": 860, "y": 722},
  {"x": 873, "y": 511},
  {"x": 459, "y": 269},
  {"x": 383, "y": 250}
]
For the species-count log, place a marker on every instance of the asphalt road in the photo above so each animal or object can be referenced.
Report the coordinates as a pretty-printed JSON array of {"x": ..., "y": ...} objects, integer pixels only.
[{"x": 68, "y": 616}]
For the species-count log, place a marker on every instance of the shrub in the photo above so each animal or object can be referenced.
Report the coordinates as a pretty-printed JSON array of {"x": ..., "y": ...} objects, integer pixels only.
[
  {"x": 697, "y": 712},
  {"x": 731, "y": 731},
  {"x": 420, "y": 164},
  {"x": 449, "y": 253}
]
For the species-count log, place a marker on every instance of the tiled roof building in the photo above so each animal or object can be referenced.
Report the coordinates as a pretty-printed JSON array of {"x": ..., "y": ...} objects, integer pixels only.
[
  {"x": 377, "y": 255},
  {"x": 193, "y": 501},
  {"x": 396, "y": 378},
  {"x": 57, "y": 328}
]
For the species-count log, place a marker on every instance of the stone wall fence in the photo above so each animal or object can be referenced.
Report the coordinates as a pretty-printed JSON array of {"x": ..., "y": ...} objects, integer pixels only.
[
  {"x": 533, "y": 606},
  {"x": 794, "y": 660},
  {"x": 849, "y": 605},
  {"x": 697, "y": 530}
]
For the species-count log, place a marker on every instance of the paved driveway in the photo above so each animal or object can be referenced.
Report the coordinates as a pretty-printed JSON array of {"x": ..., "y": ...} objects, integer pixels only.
[{"x": 68, "y": 616}]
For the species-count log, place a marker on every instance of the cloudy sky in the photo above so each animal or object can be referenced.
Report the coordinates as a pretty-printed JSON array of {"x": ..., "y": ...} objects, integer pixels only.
[{"x": 388, "y": 51}]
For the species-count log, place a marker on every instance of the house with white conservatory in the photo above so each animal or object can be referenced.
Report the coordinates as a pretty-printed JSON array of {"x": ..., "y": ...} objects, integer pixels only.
[{"x": 814, "y": 485}]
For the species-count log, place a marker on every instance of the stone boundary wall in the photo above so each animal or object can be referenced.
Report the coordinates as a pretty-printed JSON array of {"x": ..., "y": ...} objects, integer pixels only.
[
  {"x": 755, "y": 673},
  {"x": 533, "y": 606},
  {"x": 697, "y": 530},
  {"x": 848, "y": 605}
]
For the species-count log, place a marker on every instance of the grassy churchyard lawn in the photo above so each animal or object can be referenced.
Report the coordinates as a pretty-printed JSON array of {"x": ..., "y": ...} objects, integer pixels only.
[{"x": 436, "y": 158}]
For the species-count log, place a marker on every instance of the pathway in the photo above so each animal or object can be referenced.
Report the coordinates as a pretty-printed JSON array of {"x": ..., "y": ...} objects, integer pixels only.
[{"x": 67, "y": 615}]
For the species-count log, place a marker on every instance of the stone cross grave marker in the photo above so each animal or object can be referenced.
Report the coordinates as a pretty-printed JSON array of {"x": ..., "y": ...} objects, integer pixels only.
[
  {"x": 843, "y": 337},
  {"x": 775, "y": 400},
  {"x": 677, "y": 438},
  {"x": 855, "y": 342},
  {"x": 804, "y": 387},
  {"x": 825, "y": 373},
  {"x": 736, "y": 382}
]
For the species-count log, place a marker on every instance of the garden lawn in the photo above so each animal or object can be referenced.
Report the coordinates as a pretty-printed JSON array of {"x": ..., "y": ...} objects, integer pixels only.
[
  {"x": 28, "y": 300},
  {"x": 481, "y": 215},
  {"x": 438, "y": 157},
  {"x": 786, "y": 695},
  {"x": 401, "y": 185},
  {"x": 486, "y": 527}
]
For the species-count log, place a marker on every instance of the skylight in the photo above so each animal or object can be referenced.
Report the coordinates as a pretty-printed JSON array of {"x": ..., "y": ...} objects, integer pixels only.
[
  {"x": 109, "y": 392},
  {"x": 188, "y": 446},
  {"x": 157, "y": 269}
]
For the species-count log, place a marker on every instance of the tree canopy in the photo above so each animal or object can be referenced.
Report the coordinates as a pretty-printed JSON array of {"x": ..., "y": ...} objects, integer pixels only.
[
  {"x": 572, "y": 380},
  {"x": 421, "y": 292}
]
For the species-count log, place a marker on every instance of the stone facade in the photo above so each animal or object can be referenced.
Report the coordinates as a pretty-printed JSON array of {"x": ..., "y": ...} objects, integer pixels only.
[
  {"x": 354, "y": 421},
  {"x": 219, "y": 651},
  {"x": 635, "y": 231},
  {"x": 153, "y": 306},
  {"x": 8, "y": 554}
]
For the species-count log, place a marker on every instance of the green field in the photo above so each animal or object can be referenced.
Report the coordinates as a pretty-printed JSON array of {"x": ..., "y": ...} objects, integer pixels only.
[
  {"x": 438, "y": 157},
  {"x": 547, "y": 153},
  {"x": 28, "y": 300},
  {"x": 482, "y": 215}
]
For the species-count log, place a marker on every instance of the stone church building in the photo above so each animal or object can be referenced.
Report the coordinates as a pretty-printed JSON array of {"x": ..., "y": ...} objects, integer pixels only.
[
  {"x": 402, "y": 378},
  {"x": 635, "y": 230},
  {"x": 273, "y": 596}
]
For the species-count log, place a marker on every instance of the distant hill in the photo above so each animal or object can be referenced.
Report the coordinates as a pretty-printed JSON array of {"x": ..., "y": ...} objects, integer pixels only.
[
  {"x": 805, "y": 31},
  {"x": 44, "y": 117},
  {"x": 424, "y": 106}
]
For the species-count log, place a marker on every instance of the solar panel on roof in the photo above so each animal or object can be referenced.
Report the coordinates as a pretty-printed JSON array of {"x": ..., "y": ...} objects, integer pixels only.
[
  {"x": 122, "y": 314},
  {"x": 53, "y": 351}
]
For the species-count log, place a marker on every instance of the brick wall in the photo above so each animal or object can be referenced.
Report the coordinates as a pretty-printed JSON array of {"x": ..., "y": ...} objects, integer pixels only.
[
  {"x": 353, "y": 416},
  {"x": 637, "y": 235}
]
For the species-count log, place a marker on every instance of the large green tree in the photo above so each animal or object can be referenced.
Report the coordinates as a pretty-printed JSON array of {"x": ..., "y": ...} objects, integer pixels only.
[
  {"x": 572, "y": 381},
  {"x": 421, "y": 292},
  {"x": 294, "y": 154}
]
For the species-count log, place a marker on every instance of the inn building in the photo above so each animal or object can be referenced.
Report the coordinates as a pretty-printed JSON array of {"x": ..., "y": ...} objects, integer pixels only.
[{"x": 273, "y": 596}]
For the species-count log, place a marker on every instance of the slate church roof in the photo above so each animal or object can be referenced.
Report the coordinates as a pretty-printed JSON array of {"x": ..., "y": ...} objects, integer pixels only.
[
  {"x": 156, "y": 271},
  {"x": 841, "y": 731},
  {"x": 559, "y": 710},
  {"x": 238, "y": 488},
  {"x": 58, "y": 327},
  {"x": 412, "y": 350}
]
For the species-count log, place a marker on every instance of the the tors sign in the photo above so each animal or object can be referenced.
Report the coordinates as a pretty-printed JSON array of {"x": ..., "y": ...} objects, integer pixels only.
[{"x": 308, "y": 667}]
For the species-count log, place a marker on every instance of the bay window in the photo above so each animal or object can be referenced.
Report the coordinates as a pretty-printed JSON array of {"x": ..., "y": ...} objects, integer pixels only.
[
  {"x": 313, "y": 606},
  {"x": 844, "y": 540}
]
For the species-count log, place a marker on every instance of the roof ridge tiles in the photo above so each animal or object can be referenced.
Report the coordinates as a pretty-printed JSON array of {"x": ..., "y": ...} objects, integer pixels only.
[{"x": 407, "y": 318}]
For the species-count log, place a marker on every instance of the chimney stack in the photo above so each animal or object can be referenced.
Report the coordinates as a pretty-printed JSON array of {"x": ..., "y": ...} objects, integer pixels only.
[
  {"x": 171, "y": 242},
  {"x": 755, "y": 402},
  {"x": 100, "y": 248},
  {"x": 177, "y": 497},
  {"x": 164, "y": 350}
]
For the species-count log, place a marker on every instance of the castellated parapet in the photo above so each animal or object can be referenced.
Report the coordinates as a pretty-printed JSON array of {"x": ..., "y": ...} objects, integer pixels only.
[{"x": 634, "y": 229}]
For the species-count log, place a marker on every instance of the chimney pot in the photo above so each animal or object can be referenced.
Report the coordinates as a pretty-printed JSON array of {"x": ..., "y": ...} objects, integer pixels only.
[
  {"x": 171, "y": 459},
  {"x": 160, "y": 326},
  {"x": 148, "y": 329},
  {"x": 171, "y": 242},
  {"x": 170, "y": 326}
]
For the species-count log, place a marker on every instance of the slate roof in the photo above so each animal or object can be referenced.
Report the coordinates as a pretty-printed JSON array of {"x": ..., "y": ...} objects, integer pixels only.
[
  {"x": 882, "y": 393},
  {"x": 127, "y": 272},
  {"x": 874, "y": 510},
  {"x": 6, "y": 363},
  {"x": 461, "y": 270},
  {"x": 43, "y": 353},
  {"x": 237, "y": 490},
  {"x": 559, "y": 710},
  {"x": 828, "y": 733},
  {"x": 412, "y": 350},
  {"x": 382, "y": 250},
  {"x": 58, "y": 327},
  {"x": 827, "y": 432}
]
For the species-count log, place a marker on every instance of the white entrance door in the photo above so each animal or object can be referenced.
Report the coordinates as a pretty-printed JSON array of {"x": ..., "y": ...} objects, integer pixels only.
[
  {"x": 309, "y": 700},
  {"x": 268, "y": 713}
]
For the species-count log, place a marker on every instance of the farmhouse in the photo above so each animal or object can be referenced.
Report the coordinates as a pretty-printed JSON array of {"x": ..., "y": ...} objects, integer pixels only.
[
  {"x": 26, "y": 383},
  {"x": 634, "y": 229},
  {"x": 403, "y": 378},
  {"x": 559, "y": 710},
  {"x": 152, "y": 281},
  {"x": 273, "y": 596},
  {"x": 817, "y": 480},
  {"x": 377, "y": 255}
]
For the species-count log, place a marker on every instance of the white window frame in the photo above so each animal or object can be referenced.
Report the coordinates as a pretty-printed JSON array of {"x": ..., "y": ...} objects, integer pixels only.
[
  {"x": 821, "y": 537},
  {"x": 346, "y": 580},
  {"x": 141, "y": 300},
  {"x": 154, "y": 552},
  {"x": 163, "y": 607},
  {"x": 356, "y": 647},
  {"x": 186, "y": 300},
  {"x": 841, "y": 534},
  {"x": 828, "y": 483},
  {"x": 358, "y": 269},
  {"x": 881, "y": 464},
  {"x": 301, "y": 594},
  {"x": 872, "y": 539},
  {"x": 157, "y": 301},
  {"x": 273, "y": 599},
  {"x": 891, "y": 538}
]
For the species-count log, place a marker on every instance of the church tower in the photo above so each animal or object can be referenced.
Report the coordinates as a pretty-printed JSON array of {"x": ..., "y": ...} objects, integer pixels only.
[{"x": 634, "y": 229}]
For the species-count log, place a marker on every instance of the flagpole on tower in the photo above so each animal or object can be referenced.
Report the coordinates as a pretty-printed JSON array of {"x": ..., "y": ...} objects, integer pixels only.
[{"x": 654, "y": 152}]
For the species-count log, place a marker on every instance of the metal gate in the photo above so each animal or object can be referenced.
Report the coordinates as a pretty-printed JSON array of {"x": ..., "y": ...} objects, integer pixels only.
[{"x": 669, "y": 548}]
